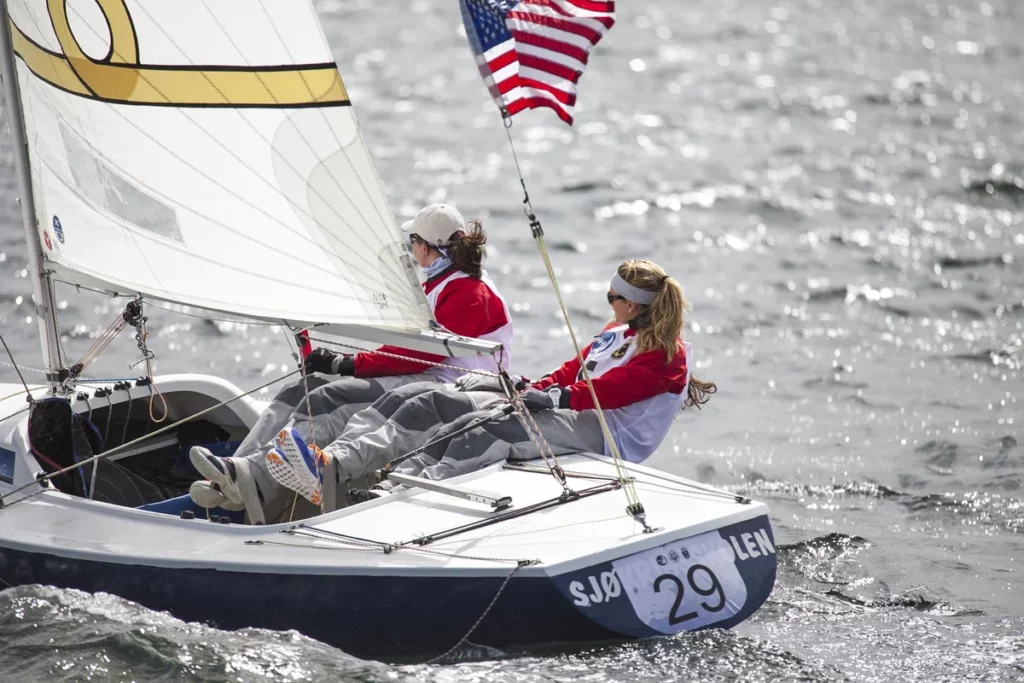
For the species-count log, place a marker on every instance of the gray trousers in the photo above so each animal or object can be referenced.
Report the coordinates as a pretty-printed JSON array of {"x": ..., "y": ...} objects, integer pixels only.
[
  {"x": 417, "y": 414},
  {"x": 506, "y": 438},
  {"x": 320, "y": 419},
  {"x": 408, "y": 417}
]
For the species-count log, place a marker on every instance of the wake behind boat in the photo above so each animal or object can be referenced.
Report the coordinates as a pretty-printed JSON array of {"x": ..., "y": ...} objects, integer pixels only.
[{"x": 189, "y": 165}]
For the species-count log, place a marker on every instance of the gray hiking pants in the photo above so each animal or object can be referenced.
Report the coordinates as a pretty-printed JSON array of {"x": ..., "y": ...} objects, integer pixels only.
[
  {"x": 409, "y": 417},
  {"x": 332, "y": 403}
]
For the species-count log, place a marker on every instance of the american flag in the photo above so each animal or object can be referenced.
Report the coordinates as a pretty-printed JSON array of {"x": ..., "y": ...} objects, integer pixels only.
[{"x": 531, "y": 53}]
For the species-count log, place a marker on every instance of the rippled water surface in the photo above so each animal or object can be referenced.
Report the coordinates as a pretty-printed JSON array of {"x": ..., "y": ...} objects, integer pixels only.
[{"x": 840, "y": 187}]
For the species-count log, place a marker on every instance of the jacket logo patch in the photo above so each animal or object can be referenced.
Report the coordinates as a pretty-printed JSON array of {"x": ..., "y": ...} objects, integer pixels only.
[
  {"x": 621, "y": 351},
  {"x": 602, "y": 342}
]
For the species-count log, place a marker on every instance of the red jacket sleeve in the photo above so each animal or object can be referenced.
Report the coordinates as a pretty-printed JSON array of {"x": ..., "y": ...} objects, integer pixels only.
[
  {"x": 375, "y": 364},
  {"x": 466, "y": 306},
  {"x": 645, "y": 375}
]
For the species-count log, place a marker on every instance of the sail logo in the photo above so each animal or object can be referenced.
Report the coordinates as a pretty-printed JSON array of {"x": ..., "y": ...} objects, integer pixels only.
[
  {"x": 748, "y": 545},
  {"x": 58, "y": 230},
  {"x": 121, "y": 78}
]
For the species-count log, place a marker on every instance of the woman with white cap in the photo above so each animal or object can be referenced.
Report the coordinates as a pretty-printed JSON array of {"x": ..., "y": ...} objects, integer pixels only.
[
  {"x": 463, "y": 300},
  {"x": 639, "y": 369}
]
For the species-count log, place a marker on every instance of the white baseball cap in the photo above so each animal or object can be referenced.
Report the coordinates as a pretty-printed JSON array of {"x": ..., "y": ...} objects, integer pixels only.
[{"x": 436, "y": 223}]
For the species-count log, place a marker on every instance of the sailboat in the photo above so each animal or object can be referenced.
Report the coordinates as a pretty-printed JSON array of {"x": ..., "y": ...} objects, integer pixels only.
[{"x": 190, "y": 152}]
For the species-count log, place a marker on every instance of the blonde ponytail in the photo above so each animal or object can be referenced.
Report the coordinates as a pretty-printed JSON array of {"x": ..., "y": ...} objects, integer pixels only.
[{"x": 662, "y": 322}]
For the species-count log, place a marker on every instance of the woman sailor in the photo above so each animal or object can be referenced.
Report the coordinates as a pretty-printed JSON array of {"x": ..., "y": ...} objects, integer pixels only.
[
  {"x": 463, "y": 300},
  {"x": 638, "y": 367}
]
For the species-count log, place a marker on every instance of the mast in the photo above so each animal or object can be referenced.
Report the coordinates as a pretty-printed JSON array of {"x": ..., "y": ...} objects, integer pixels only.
[{"x": 41, "y": 284}]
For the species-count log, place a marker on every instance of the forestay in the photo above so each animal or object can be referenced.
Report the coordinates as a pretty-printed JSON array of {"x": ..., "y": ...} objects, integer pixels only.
[{"x": 207, "y": 153}]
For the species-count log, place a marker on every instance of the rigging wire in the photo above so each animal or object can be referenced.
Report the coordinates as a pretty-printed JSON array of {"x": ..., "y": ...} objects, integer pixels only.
[
  {"x": 28, "y": 392},
  {"x": 635, "y": 508}
]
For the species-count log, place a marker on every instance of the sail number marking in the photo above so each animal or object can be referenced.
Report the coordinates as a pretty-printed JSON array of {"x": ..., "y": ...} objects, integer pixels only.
[{"x": 715, "y": 588}]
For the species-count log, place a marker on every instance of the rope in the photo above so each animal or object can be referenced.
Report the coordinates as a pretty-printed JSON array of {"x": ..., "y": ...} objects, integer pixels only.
[
  {"x": 102, "y": 342},
  {"x": 476, "y": 624},
  {"x": 110, "y": 414},
  {"x": 537, "y": 436},
  {"x": 19, "y": 368},
  {"x": 127, "y": 417},
  {"x": 377, "y": 352},
  {"x": 316, "y": 450},
  {"x": 529, "y": 424},
  {"x": 635, "y": 507},
  {"x": 494, "y": 600},
  {"x": 28, "y": 392},
  {"x": 106, "y": 454},
  {"x": 141, "y": 335}
]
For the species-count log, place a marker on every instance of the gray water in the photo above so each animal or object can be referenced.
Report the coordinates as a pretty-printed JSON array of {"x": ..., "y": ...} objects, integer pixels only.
[{"x": 838, "y": 184}]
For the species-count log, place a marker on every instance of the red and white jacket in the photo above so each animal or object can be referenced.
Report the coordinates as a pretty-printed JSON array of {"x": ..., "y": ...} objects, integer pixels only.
[
  {"x": 639, "y": 393},
  {"x": 465, "y": 305}
]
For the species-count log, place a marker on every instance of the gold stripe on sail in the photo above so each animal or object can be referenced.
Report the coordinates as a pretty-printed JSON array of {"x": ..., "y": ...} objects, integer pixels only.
[{"x": 119, "y": 78}]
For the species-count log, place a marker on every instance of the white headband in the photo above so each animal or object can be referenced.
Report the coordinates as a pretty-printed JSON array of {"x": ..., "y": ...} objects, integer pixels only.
[{"x": 634, "y": 294}]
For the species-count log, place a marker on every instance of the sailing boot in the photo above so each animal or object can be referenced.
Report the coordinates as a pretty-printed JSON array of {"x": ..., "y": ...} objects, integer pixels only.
[{"x": 233, "y": 478}]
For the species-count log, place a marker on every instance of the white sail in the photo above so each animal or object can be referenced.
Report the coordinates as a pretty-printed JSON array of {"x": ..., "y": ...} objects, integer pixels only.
[{"x": 206, "y": 153}]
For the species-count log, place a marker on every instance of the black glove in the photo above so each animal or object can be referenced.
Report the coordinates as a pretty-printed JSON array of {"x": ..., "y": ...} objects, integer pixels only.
[
  {"x": 537, "y": 399},
  {"x": 329, "y": 363}
]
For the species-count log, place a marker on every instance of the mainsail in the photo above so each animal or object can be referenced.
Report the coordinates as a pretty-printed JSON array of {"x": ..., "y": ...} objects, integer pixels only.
[{"x": 206, "y": 153}]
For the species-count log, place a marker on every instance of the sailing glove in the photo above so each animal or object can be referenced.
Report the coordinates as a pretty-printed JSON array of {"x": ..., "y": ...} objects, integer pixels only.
[
  {"x": 555, "y": 397},
  {"x": 329, "y": 363}
]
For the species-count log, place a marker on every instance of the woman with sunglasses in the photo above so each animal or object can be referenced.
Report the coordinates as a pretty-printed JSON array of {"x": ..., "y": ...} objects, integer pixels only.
[
  {"x": 639, "y": 371},
  {"x": 463, "y": 300}
]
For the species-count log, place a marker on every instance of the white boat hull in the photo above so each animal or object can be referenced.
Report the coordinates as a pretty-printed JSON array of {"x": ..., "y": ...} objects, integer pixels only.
[{"x": 409, "y": 574}]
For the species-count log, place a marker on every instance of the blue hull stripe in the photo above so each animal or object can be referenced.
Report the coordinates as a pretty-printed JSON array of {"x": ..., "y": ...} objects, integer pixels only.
[
  {"x": 385, "y": 617},
  {"x": 366, "y": 616}
]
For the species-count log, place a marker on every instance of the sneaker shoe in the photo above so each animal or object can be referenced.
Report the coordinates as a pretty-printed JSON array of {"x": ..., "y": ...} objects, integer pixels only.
[
  {"x": 207, "y": 495},
  {"x": 297, "y": 466},
  {"x": 232, "y": 477},
  {"x": 219, "y": 471}
]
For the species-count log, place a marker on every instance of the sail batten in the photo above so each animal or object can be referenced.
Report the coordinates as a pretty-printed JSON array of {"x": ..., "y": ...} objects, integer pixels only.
[{"x": 210, "y": 158}]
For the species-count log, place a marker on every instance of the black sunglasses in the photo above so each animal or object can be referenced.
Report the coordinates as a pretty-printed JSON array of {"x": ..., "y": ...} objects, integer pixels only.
[{"x": 612, "y": 298}]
